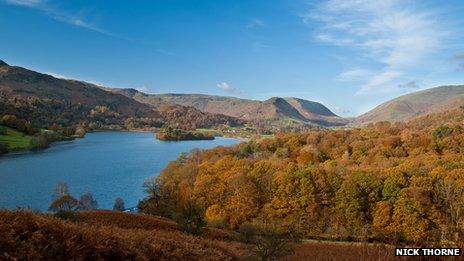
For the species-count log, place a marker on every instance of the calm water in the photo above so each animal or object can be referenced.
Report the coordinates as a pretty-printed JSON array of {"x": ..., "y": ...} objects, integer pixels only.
[{"x": 107, "y": 164}]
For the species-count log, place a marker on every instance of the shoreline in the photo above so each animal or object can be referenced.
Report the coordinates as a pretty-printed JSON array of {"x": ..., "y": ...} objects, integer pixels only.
[{"x": 72, "y": 139}]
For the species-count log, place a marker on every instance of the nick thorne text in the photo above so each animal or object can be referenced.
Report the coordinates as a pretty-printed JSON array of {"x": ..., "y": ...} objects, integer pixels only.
[{"x": 427, "y": 251}]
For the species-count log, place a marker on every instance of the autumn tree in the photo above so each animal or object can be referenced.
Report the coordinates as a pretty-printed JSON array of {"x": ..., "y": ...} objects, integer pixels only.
[
  {"x": 394, "y": 182},
  {"x": 356, "y": 198},
  {"x": 65, "y": 203},
  {"x": 415, "y": 219},
  {"x": 450, "y": 195}
]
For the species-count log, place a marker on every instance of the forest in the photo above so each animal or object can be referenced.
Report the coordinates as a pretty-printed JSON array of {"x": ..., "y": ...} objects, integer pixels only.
[{"x": 400, "y": 183}]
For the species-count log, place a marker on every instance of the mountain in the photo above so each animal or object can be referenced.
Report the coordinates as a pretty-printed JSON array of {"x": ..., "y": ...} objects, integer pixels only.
[
  {"x": 416, "y": 104},
  {"x": 275, "y": 108},
  {"x": 44, "y": 100},
  {"x": 316, "y": 112},
  {"x": 26, "y": 84},
  {"x": 187, "y": 110}
]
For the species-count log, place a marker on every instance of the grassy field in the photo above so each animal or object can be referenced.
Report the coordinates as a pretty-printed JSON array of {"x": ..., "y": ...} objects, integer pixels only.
[{"x": 15, "y": 140}]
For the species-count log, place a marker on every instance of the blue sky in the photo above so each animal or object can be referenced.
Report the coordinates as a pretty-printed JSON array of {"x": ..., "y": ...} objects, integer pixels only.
[{"x": 348, "y": 54}]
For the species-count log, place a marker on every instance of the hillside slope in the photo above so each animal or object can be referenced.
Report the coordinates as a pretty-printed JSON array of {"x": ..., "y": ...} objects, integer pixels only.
[
  {"x": 108, "y": 235},
  {"x": 44, "y": 100},
  {"x": 275, "y": 108},
  {"x": 25, "y": 84},
  {"x": 416, "y": 104}
]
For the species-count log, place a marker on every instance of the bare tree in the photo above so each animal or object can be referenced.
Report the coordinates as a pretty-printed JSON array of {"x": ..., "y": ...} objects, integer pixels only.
[
  {"x": 61, "y": 190},
  {"x": 87, "y": 202},
  {"x": 451, "y": 196},
  {"x": 119, "y": 205}
]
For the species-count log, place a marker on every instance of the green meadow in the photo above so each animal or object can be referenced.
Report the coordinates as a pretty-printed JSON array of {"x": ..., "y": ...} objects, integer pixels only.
[{"x": 14, "y": 139}]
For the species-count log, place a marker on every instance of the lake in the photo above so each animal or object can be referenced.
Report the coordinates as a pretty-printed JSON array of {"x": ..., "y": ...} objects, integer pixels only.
[{"x": 107, "y": 164}]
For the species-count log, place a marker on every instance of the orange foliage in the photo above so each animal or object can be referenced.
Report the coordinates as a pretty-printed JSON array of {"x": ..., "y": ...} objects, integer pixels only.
[{"x": 381, "y": 181}]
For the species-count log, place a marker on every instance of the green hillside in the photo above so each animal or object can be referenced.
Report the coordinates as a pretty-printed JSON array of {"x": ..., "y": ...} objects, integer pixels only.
[{"x": 14, "y": 139}]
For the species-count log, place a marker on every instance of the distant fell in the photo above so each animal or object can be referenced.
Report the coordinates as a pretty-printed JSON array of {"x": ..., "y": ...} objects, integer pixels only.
[
  {"x": 31, "y": 90},
  {"x": 23, "y": 83},
  {"x": 416, "y": 104},
  {"x": 275, "y": 108}
]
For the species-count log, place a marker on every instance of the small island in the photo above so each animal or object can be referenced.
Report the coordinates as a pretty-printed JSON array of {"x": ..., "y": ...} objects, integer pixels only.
[{"x": 171, "y": 134}]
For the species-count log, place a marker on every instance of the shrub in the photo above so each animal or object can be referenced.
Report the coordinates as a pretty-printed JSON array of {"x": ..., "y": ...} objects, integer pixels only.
[
  {"x": 68, "y": 215},
  {"x": 270, "y": 241},
  {"x": 191, "y": 218},
  {"x": 247, "y": 231},
  {"x": 218, "y": 223}
]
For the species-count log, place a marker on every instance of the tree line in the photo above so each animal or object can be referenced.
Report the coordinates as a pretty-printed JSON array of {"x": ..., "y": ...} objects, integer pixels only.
[
  {"x": 63, "y": 203},
  {"x": 40, "y": 113}
]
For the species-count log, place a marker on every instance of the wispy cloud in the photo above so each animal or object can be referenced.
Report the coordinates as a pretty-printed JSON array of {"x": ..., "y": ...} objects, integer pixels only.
[
  {"x": 226, "y": 87},
  {"x": 409, "y": 85},
  {"x": 355, "y": 74},
  {"x": 166, "y": 52},
  {"x": 394, "y": 34},
  {"x": 255, "y": 23},
  {"x": 48, "y": 9},
  {"x": 29, "y": 3}
]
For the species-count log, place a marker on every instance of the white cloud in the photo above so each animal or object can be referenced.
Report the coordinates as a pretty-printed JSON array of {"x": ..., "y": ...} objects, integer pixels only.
[
  {"x": 356, "y": 74},
  {"x": 59, "y": 15},
  {"x": 228, "y": 88},
  {"x": 225, "y": 86},
  {"x": 30, "y": 3},
  {"x": 394, "y": 34},
  {"x": 380, "y": 82}
]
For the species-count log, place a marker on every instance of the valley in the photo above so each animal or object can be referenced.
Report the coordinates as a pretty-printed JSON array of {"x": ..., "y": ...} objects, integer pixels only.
[
  {"x": 232, "y": 130},
  {"x": 299, "y": 173}
]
